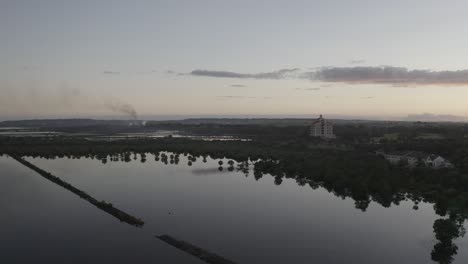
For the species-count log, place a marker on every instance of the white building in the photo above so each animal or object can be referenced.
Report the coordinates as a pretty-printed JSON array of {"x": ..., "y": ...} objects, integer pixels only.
[
  {"x": 322, "y": 128},
  {"x": 415, "y": 158},
  {"x": 437, "y": 162}
]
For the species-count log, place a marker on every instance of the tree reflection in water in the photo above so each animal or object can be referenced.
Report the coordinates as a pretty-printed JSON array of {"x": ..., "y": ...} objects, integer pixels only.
[
  {"x": 446, "y": 229},
  {"x": 346, "y": 179}
]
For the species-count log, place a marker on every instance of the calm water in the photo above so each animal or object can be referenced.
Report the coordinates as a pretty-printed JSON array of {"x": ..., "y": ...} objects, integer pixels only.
[{"x": 235, "y": 216}]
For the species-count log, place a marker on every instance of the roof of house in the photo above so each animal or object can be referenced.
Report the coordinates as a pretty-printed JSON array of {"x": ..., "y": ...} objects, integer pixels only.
[
  {"x": 417, "y": 155},
  {"x": 401, "y": 153},
  {"x": 411, "y": 154},
  {"x": 432, "y": 157},
  {"x": 408, "y": 154}
]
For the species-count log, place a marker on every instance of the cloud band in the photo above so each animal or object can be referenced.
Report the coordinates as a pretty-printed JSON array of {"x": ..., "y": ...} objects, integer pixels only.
[{"x": 353, "y": 75}]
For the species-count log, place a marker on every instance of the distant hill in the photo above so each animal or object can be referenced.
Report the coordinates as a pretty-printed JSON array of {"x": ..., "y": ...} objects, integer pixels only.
[
  {"x": 51, "y": 123},
  {"x": 271, "y": 121},
  {"x": 280, "y": 122},
  {"x": 428, "y": 117}
]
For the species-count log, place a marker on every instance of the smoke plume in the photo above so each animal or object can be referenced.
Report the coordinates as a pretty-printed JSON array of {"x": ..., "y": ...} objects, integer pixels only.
[{"x": 123, "y": 108}]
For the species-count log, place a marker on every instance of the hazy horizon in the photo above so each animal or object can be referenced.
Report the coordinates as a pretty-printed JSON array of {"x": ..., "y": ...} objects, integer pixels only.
[
  {"x": 425, "y": 117},
  {"x": 366, "y": 60}
]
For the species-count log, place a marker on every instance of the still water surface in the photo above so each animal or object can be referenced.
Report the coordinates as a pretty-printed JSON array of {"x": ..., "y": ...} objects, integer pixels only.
[{"x": 237, "y": 217}]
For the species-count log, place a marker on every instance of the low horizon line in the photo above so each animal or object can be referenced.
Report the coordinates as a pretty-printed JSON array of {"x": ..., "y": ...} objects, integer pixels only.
[{"x": 175, "y": 117}]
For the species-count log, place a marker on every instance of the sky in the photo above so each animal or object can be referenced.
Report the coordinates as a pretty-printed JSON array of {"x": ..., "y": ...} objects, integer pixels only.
[{"x": 371, "y": 59}]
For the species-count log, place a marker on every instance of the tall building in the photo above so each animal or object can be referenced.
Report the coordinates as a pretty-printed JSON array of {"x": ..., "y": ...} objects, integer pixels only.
[{"x": 322, "y": 128}]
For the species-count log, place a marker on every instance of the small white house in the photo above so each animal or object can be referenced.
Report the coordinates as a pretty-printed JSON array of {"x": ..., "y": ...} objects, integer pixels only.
[{"x": 437, "y": 162}]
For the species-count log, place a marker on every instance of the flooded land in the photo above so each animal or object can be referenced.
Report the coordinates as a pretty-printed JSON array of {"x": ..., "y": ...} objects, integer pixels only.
[
  {"x": 256, "y": 196},
  {"x": 230, "y": 213}
]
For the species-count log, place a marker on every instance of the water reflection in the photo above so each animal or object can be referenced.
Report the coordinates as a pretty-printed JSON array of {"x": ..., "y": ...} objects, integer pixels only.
[
  {"x": 102, "y": 205},
  {"x": 43, "y": 223},
  {"x": 448, "y": 228}
]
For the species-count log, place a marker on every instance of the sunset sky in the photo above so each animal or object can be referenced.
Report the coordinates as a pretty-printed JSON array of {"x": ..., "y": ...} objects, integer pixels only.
[{"x": 369, "y": 59}]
